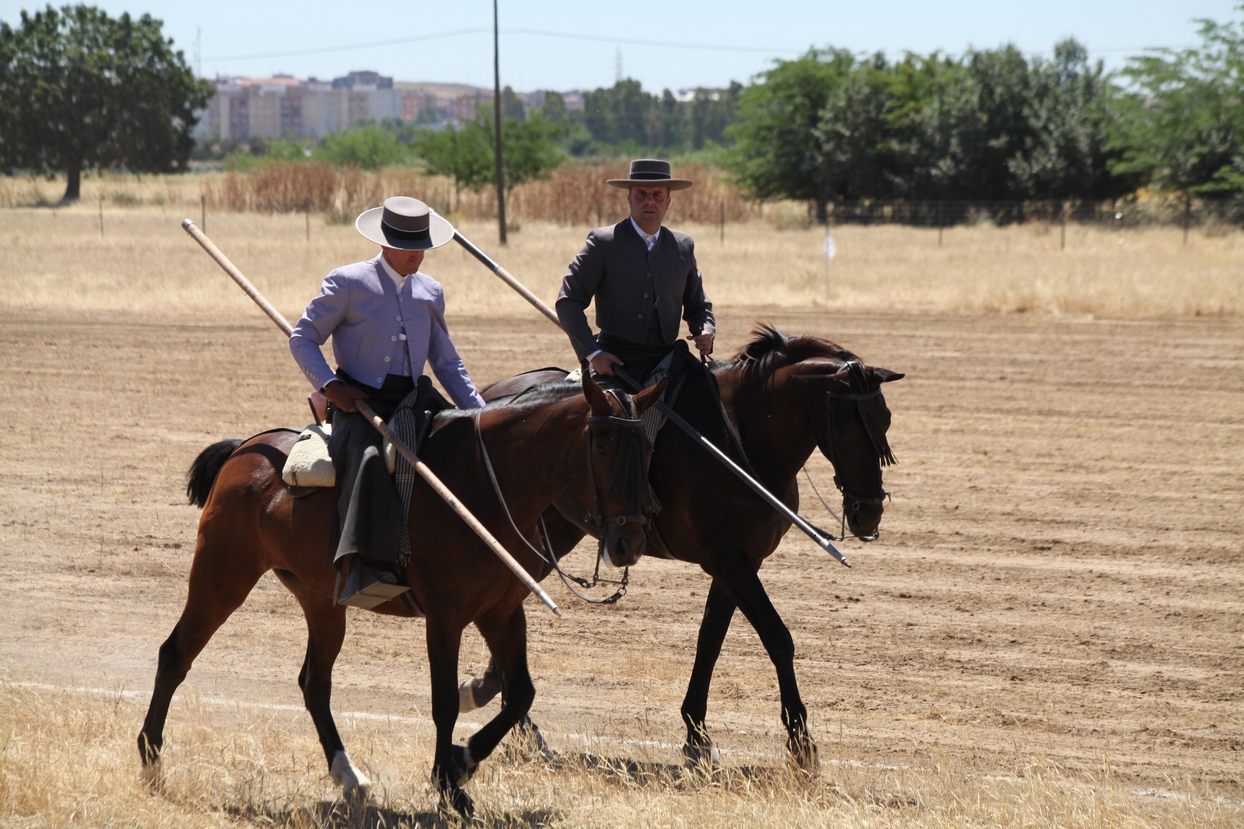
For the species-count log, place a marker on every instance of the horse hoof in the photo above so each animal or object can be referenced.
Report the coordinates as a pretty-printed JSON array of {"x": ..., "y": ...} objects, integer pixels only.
[
  {"x": 152, "y": 775},
  {"x": 528, "y": 743},
  {"x": 804, "y": 756},
  {"x": 355, "y": 786},
  {"x": 457, "y": 802},
  {"x": 466, "y": 697},
  {"x": 464, "y": 765},
  {"x": 701, "y": 756}
]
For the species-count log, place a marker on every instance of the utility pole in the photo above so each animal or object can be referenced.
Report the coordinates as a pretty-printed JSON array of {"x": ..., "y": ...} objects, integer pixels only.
[{"x": 496, "y": 109}]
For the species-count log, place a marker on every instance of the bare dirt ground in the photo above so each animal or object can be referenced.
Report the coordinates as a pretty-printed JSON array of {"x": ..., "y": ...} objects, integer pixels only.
[{"x": 1061, "y": 572}]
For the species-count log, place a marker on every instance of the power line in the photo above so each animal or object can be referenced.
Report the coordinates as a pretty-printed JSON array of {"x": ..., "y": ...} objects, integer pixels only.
[
  {"x": 481, "y": 29},
  {"x": 769, "y": 50}
]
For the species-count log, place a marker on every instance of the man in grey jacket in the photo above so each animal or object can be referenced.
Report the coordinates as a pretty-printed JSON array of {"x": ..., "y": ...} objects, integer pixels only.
[
  {"x": 387, "y": 320},
  {"x": 642, "y": 277}
]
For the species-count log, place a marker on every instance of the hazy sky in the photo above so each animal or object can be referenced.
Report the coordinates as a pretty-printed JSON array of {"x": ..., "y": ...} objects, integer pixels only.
[{"x": 562, "y": 45}]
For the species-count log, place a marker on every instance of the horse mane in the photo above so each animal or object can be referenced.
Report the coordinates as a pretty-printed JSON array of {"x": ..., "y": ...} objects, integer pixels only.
[{"x": 769, "y": 349}]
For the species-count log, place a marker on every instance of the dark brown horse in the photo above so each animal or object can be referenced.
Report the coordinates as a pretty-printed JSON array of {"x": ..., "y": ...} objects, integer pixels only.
[
  {"x": 786, "y": 396},
  {"x": 588, "y": 443}
]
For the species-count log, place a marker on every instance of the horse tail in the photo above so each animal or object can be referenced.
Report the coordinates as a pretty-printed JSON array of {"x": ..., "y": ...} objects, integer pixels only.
[{"x": 203, "y": 472}]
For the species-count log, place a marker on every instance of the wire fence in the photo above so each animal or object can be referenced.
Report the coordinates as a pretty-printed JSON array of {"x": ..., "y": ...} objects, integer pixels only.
[{"x": 1184, "y": 213}]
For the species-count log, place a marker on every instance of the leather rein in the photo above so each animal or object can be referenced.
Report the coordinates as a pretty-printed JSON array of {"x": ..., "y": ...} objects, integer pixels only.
[{"x": 600, "y": 518}]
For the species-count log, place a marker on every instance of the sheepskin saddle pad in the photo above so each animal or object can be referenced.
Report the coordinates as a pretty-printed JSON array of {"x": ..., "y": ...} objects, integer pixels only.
[{"x": 309, "y": 464}]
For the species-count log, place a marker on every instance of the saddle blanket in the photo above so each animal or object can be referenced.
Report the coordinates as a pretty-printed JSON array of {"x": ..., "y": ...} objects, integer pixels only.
[{"x": 309, "y": 463}]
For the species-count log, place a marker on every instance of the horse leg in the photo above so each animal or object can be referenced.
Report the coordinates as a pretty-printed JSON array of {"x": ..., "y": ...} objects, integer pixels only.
[
  {"x": 219, "y": 582},
  {"x": 479, "y": 691},
  {"x": 451, "y": 766},
  {"x": 741, "y": 584},
  {"x": 718, "y": 611},
  {"x": 507, "y": 643},
  {"x": 326, "y": 630}
]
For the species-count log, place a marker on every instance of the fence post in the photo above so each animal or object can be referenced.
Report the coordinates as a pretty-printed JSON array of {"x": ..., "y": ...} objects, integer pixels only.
[{"x": 1062, "y": 233}]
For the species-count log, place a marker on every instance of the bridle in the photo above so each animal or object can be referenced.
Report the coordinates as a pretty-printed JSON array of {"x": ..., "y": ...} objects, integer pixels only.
[
  {"x": 877, "y": 437},
  {"x": 629, "y": 471}
]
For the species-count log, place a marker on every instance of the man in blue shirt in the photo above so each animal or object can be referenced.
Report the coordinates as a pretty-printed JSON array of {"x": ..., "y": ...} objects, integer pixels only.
[{"x": 386, "y": 320}]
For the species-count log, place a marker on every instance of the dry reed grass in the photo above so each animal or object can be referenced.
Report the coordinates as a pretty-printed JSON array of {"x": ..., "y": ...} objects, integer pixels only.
[
  {"x": 244, "y": 764},
  {"x": 135, "y": 258}
]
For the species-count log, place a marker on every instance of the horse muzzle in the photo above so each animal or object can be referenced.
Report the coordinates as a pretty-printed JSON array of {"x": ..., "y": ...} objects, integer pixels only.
[{"x": 625, "y": 537}]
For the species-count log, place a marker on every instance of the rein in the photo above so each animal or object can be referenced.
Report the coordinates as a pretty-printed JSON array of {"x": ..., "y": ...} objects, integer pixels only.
[{"x": 632, "y": 434}]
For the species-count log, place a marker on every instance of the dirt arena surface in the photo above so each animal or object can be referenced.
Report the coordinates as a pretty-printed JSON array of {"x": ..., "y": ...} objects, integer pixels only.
[{"x": 1061, "y": 572}]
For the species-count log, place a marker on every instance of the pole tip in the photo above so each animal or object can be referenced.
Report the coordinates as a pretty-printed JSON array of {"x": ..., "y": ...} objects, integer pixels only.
[{"x": 186, "y": 224}]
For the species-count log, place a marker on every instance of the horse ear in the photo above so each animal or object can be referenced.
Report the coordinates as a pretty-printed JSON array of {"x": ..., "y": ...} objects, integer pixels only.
[
  {"x": 827, "y": 382},
  {"x": 884, "y": 375},
  {"x": 649, "y": 397},
  {"x": 595, "y": 395}
]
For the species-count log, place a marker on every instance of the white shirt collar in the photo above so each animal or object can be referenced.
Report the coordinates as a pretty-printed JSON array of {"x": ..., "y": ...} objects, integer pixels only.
[{"x": 649, "y": 239}]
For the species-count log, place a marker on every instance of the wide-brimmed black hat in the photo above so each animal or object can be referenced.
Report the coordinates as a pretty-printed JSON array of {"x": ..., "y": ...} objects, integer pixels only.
[
  {"x": 404, "y": 223},
  {"x": 650, "y": 171}
]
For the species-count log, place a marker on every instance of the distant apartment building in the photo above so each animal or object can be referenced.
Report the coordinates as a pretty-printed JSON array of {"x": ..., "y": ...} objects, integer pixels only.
[{"x": 285, "y": 107}]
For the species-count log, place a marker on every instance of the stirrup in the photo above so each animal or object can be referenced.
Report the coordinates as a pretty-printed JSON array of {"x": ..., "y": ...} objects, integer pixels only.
[{"x": 364, "y": 590}]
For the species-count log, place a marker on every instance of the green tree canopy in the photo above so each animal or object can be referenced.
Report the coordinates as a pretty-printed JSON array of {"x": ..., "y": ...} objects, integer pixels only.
[
  {"x": 369, "y": 146},
  {"x": 1182, "y": 123},
  {"x": 81, "y": 90}
]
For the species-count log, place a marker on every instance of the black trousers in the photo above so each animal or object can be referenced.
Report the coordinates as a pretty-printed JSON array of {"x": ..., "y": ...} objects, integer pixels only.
[
  {"x": 369, "y": 509},
  {"x": 638, "y": 361}
]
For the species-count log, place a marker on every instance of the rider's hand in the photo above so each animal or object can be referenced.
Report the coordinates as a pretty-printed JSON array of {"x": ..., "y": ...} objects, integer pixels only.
[
  {"x": 704, "y": 342},
  {"x": 604, "y": 362},
  {"x": 342, "y": 395}
]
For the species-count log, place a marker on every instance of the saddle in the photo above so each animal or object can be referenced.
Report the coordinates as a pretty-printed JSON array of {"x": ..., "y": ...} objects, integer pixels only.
[{"x": 309, "y": 465}]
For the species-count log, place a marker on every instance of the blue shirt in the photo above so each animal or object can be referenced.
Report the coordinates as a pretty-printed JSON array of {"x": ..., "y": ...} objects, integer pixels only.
[{"x": 378, "y": 329}]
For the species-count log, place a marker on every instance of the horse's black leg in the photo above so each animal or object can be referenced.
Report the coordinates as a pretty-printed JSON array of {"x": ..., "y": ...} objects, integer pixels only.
[
  {"x": 451, "y": 766},
  {"x": 326, "y": 630},
  {"x": 216, "y": 590},
  {"x": 741, "y": 584},
  {"x": 718, "y": 611},
  {"x": 507, "y": 642}
]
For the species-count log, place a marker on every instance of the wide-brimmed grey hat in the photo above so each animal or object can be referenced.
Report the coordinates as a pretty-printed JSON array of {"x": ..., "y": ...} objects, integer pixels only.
[
  {"x": 650, "y": 171},
  {"x": 404, "y": 223}
]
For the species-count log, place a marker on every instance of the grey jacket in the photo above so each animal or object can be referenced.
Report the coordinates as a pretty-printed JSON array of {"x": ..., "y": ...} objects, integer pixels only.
[
  {"x": 628, "y": 283},
  {"x": 374, "y": 330}
]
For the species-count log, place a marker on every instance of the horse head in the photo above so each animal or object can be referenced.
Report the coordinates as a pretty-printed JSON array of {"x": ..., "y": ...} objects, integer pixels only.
[
  {"x": 851, "y": 425},
  {"x": 618, "y": 456},
  {"x": 840, "y": 402}
]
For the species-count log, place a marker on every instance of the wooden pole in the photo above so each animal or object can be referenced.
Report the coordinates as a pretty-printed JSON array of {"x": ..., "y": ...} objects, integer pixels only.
[
  {"x": 496, "y": 108},
  {"x": 420, "y": 467}
]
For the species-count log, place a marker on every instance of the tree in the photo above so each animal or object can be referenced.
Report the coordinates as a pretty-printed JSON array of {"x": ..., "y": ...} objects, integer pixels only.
[
  {"x": 81, "y": 90},
  {"x": 778, "y": 152},
  {"x": 1182, "y": 125},
  {"x": 369, "y": 146},
  {"x": 464, "y": 154},
  {"x": 531, "y": 150}
]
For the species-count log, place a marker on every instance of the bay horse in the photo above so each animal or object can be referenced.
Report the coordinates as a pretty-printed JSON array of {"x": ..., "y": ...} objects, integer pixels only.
[
  {"x": 589, "y": 443},
  {"x": 785, "y": 397}
]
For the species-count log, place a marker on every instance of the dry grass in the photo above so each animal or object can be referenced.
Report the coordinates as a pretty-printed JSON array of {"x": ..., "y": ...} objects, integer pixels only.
[
  {"x": 252, "y": 765},
  {"x": 58, "y": 258}
]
